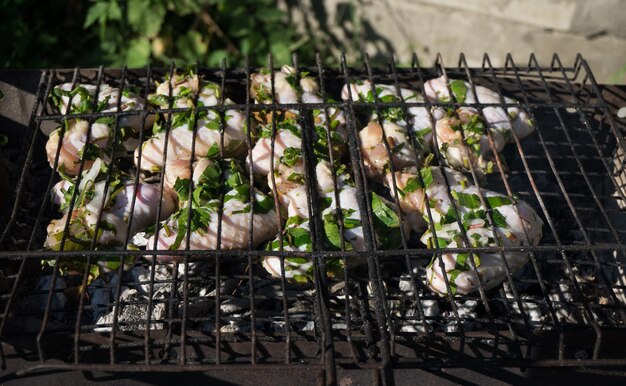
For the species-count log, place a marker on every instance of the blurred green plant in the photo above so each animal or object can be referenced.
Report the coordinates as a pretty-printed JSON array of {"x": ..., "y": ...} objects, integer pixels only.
[{"x": 137, "y": 32}]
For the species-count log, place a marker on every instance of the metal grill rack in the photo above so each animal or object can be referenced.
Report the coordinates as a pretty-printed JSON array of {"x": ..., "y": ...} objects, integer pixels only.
[{"x": 566, "y": 308}]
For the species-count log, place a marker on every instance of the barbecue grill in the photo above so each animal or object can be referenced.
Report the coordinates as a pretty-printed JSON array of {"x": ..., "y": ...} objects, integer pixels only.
[{"x": 216, "y": 310}]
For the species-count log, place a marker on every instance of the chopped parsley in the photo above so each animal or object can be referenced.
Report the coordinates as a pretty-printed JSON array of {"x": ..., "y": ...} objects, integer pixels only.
[
  {"x": 459, "y": 90},
  {"x": 291, "y": 156}
]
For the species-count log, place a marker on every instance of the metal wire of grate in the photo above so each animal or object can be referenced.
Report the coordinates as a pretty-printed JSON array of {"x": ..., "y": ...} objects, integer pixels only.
[{"x": 215, "y": 309}]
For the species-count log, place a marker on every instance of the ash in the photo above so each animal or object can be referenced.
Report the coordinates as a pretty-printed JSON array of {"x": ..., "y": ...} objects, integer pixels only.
[{"x": 171, "y": 299}]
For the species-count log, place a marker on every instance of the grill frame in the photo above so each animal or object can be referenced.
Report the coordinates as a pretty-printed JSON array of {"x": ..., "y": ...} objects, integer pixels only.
[{"x": 332, "y": 354}]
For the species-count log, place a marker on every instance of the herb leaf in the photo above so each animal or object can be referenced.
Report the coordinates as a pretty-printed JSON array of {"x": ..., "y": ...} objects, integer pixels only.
[
  {"x": 467, "y": 200},
  {"x": 459, "y": 90},
  {"x": 384, "y": 213}
]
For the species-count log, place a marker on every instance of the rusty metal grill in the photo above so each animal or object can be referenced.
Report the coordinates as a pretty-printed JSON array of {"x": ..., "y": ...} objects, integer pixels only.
[{"x": 566, "y": 308}]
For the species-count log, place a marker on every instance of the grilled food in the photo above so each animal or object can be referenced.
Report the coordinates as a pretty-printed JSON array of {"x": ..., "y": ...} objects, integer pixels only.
[
  {"x": 208, "y": 202},
  {"x": 452, "y": 200},
  {"x": 199, "y": 219},
  {"x": 215, "y": 133},
  {"x": 83, "y": 100},
  {"x": 113, "y": 208},
  {"x": 463, "y": 133}
]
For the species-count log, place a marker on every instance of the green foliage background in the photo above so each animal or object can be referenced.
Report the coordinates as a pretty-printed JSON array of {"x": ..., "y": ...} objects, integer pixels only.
[{"x": 55, "y": 33}]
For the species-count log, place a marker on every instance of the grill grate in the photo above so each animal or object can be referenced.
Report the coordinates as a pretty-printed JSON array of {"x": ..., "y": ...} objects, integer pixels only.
[{"x": 566, "y": 308}]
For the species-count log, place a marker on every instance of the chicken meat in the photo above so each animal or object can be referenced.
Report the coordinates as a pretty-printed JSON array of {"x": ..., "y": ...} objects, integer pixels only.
[
  {"x": 514, "y": 221},
  {"x": 210, "y": 180},
  {"x": 116, "y": 219},
  {"x": 297, "y": 235},
  {"x": 82, "y": 101},
  {"x": 504, "y": 121}
]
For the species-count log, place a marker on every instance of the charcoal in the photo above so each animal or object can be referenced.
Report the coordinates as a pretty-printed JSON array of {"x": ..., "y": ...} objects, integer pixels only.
[
  {"x": 430, "y": 307},
  {"x": 230, "y": 306},
  {"x": 208, "y": 326},
  {"x": 195, "y": 268},
  {"x": 278, "y": 327},
  {"x": 308, "y": 326},
  {"x": 412, "y": 327},
  {"x": 197, "y": 307},
  {"x": 227, "y": 286},
  {"x": 533, "y": 310},
  {"x": 234, "y": 326},
  {"x": 406, "y": 286},
  {"x": 132, "y": 317},
  {"x": 100, "y": 296},
  {"x": 197, "y": 285},
  {"x": 467, "y": 312},
  {"x": 561, "y": 299},
  {"x": 59, "y": 299},
  {"x": 300, "y": 307},
  {"x": 412, "y": 321},
  {"x": 141, "y": 276}
]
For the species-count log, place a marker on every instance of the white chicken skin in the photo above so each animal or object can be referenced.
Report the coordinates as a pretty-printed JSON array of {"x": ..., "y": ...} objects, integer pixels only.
[
  {"x": 420, "y": 119},
  {"x": 375, "y": 153},
  {"x": 82, "y": 96},
  {"x": 116, "y": 210},
  {"x": 394, "y": 130},
  {"x": 74, "y": 145},
  {"x": 495, "y": 117},
  {"x": 511, "y": 229},
  {"x": 208, "y": 132},
  {"x": 297, "y": 235},
  {"x": 184, "y": 88},
  {"x": 236, "y": 216},
  {"x": 463, "y": 144},
  {"x": 287, "y": 177},
  {"x": 288, "y": 133},
  {"x": 208, "y": 141},
  {"x": 286, "y": 90}
]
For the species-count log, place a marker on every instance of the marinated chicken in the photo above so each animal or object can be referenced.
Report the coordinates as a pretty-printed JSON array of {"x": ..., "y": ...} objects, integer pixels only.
[
  {"x": 297, "y": 234},
  {"x": 214, "y": 134},
  {"x": 208, "y": 138},
  {"x": 463, "y": 144},
  {"x": 286, "y": 90},
  {"x": 82, "y": 101},
  {"x": 116, "y": 221},
  {"x": 200, "y": 220},
  {"x": 375, "y": 153},
  {"x": 208, "y": 203},
  {"x": 515, "y": 223},
  {"x": 419, "y": 119},
  {"x": 288, "y": 133},
  {"x": 74, "y": 145},
  {"x": 496, "y": 118}
]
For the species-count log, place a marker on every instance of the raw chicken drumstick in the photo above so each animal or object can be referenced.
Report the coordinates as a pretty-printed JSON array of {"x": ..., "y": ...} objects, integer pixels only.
[
  {"x": 297, "y": 234},
  {"x": 74, "y": 145},
  {"x": 395, "y": 128},
  {"x": 116, "y": 212},
  {"x": 74, "y": 142},
  {"x": 82, "y": 96},
  {"x": 515, "y": 222},
  {"x": 420, "y": 120},
  {"x": 495, "y": 117},
  {"x": 204, "y": 211},
  {"x": 475, "y": 151},
  {"x": 286, "y": 178},
  {"x": 208, "y": 124}
]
